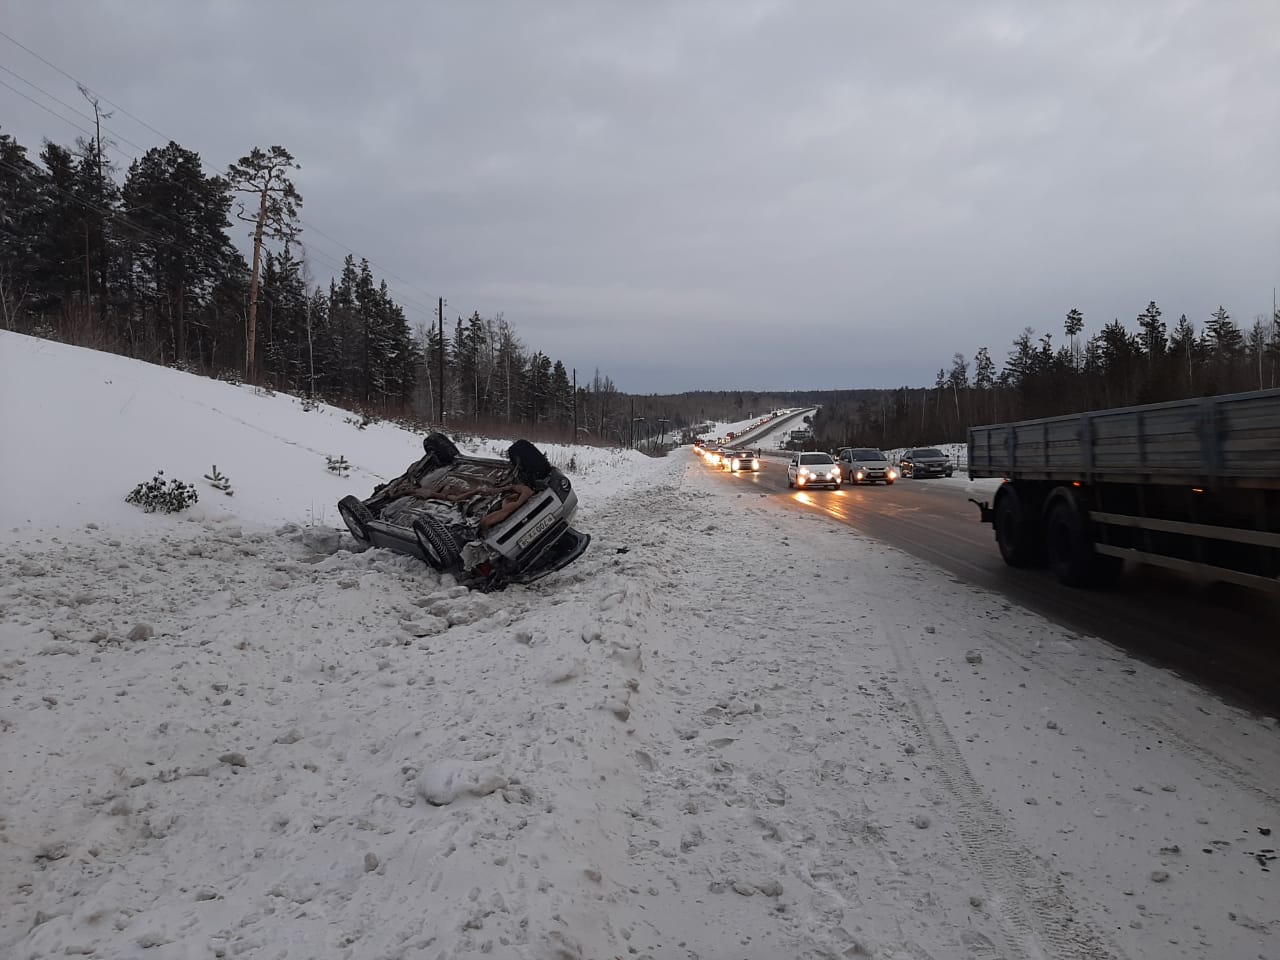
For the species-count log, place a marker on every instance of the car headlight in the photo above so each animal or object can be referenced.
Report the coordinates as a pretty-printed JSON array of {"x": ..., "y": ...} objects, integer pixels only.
[
  {"x": 804, "y": 471},
  {"x": 736, "y": 463},
  {"x": 755, "y": 464},
  {"x": 891, "y": 474},
  {"x": 835, "y": 472},
  {"x": 859, "y": 475}
]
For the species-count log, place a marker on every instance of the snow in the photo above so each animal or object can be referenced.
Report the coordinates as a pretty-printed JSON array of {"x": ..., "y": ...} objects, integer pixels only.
[{"x": 731, "y": 729}]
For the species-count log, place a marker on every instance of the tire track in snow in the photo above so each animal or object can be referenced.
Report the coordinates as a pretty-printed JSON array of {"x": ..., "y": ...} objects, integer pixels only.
[{"x": 1039, "y": 918}]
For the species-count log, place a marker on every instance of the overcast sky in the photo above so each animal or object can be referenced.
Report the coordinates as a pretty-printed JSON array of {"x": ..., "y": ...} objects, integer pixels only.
[{"x": 671, "y": 192}]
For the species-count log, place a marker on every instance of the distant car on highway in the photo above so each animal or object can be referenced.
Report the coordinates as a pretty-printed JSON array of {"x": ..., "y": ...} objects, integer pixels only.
[
  {"x": 813, "y": 470},
  {"x": 740, "y": 460},
  {"x": 865, "y": 465},
  {"x": 925, "y": 462}
]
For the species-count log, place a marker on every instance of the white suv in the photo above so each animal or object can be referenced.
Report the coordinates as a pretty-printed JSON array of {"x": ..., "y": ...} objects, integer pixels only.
[{"x": 813, "y": 470}]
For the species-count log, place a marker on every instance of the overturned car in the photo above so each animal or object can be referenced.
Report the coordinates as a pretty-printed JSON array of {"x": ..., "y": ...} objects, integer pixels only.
[{"x": 490, "y": 522}]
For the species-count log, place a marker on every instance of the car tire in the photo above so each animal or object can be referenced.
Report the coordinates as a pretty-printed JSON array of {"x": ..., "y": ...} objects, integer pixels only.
[
  {"x": 356, "y": 516},
  {"x": 439, "y": 548},
  {"x": 531, "y": 463},
  {"x": 441, "y": 448},
  {"x": 791, "y": 484}
]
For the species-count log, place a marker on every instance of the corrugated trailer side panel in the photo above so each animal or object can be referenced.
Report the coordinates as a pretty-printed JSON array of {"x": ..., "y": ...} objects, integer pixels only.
[
  {"x": 1249, "y": 426},
  {"x": 1233, "y": 439}
]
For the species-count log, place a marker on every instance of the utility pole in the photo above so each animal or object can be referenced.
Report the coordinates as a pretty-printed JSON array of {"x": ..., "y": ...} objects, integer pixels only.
[
  {"x": 101, "y": 198},
  {"x": 575, "y": 405},
  {"x": 440, "y": 358},
  {"x": 633, "y": 423}
]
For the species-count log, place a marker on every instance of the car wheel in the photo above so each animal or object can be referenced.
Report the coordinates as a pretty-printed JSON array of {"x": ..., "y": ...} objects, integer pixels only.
[
  {"x": 436, "y": 542},
  {"x": 356, "y": 516},
  {"x": 531, "y": 463},
  {"x": 440, "y": 447},
  {"x": 791, "y": 483}
]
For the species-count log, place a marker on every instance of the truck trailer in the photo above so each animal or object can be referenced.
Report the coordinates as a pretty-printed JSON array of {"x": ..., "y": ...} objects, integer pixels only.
[{"x": 1192, "y": 485}]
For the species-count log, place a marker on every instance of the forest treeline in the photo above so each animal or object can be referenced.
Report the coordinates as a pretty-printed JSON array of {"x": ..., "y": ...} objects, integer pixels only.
[
  {"x": 142, "y": 263},
  {"x": 1116, "y": 366}
]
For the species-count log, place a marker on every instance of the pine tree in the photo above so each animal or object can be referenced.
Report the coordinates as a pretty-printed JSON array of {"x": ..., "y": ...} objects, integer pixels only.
[
  {"x": 58, "y": 249},
  {"x": 561, "y": 396},
  {"x": 1154, "y": 341},
  {"x": 1074, "y": 324},
  {"x": 175, "y": 225},
  {"x": 1182, "y": 346},
  {"x": 20, "y": 225},
  {"x": 265, "y": 178},
  {"x": 1225, "y": 338}
]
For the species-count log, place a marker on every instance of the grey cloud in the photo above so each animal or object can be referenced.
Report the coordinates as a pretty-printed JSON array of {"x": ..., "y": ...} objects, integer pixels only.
[{"x": 791, "y": 192}]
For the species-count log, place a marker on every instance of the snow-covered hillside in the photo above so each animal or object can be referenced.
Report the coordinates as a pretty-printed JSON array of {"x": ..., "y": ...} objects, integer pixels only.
[{"x": 732, "y": 729}]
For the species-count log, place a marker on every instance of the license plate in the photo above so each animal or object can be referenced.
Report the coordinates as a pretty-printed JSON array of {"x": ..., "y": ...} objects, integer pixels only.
[{"x": 532, "y": 533}]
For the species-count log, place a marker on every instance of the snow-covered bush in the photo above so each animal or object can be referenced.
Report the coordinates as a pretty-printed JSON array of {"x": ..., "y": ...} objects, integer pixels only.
[{"x": 166, "y": 497}]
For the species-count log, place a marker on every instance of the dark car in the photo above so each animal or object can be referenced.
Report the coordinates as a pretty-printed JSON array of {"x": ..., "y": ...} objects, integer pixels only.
[
  {"x": 865, "y": 465},
  {"x": 491, "y": 522},
  {"x": 925, "y": 462}
]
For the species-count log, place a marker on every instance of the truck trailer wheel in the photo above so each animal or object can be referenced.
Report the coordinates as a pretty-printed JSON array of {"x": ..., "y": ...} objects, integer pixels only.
[
  {"x": 1069, "y": 547},
  {"x": 1015, "y": 533}
]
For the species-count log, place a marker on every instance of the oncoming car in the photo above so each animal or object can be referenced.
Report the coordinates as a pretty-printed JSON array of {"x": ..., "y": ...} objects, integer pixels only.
[
  {"x": 866, "y": 465},
  {"x": 489, "y": 522},
  {"x": 925, "y": 462},
  {"x": 738, "y": 460},
  {"x": 813, "y": 470}
]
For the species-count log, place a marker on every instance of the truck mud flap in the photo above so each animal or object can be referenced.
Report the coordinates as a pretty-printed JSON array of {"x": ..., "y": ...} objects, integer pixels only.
[{"x": 985, "y": 513}]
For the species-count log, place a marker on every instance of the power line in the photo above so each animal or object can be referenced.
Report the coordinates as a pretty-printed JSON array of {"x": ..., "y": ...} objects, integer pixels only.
[
  {"x": 49, "y": 63},
  {"x": 90, "y": 119},
  {"x": 47, "y": 108},
  {"x": 110, "y": 214},
  {"x": 158, "y": 133}
]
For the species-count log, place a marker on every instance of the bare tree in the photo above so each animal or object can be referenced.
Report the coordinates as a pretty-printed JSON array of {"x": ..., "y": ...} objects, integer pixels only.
[{"x": 264, "y": 176}]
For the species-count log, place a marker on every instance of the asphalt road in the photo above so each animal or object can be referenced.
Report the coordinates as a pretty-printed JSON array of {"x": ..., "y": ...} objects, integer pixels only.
[{"x": 1220, "y": 635}]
